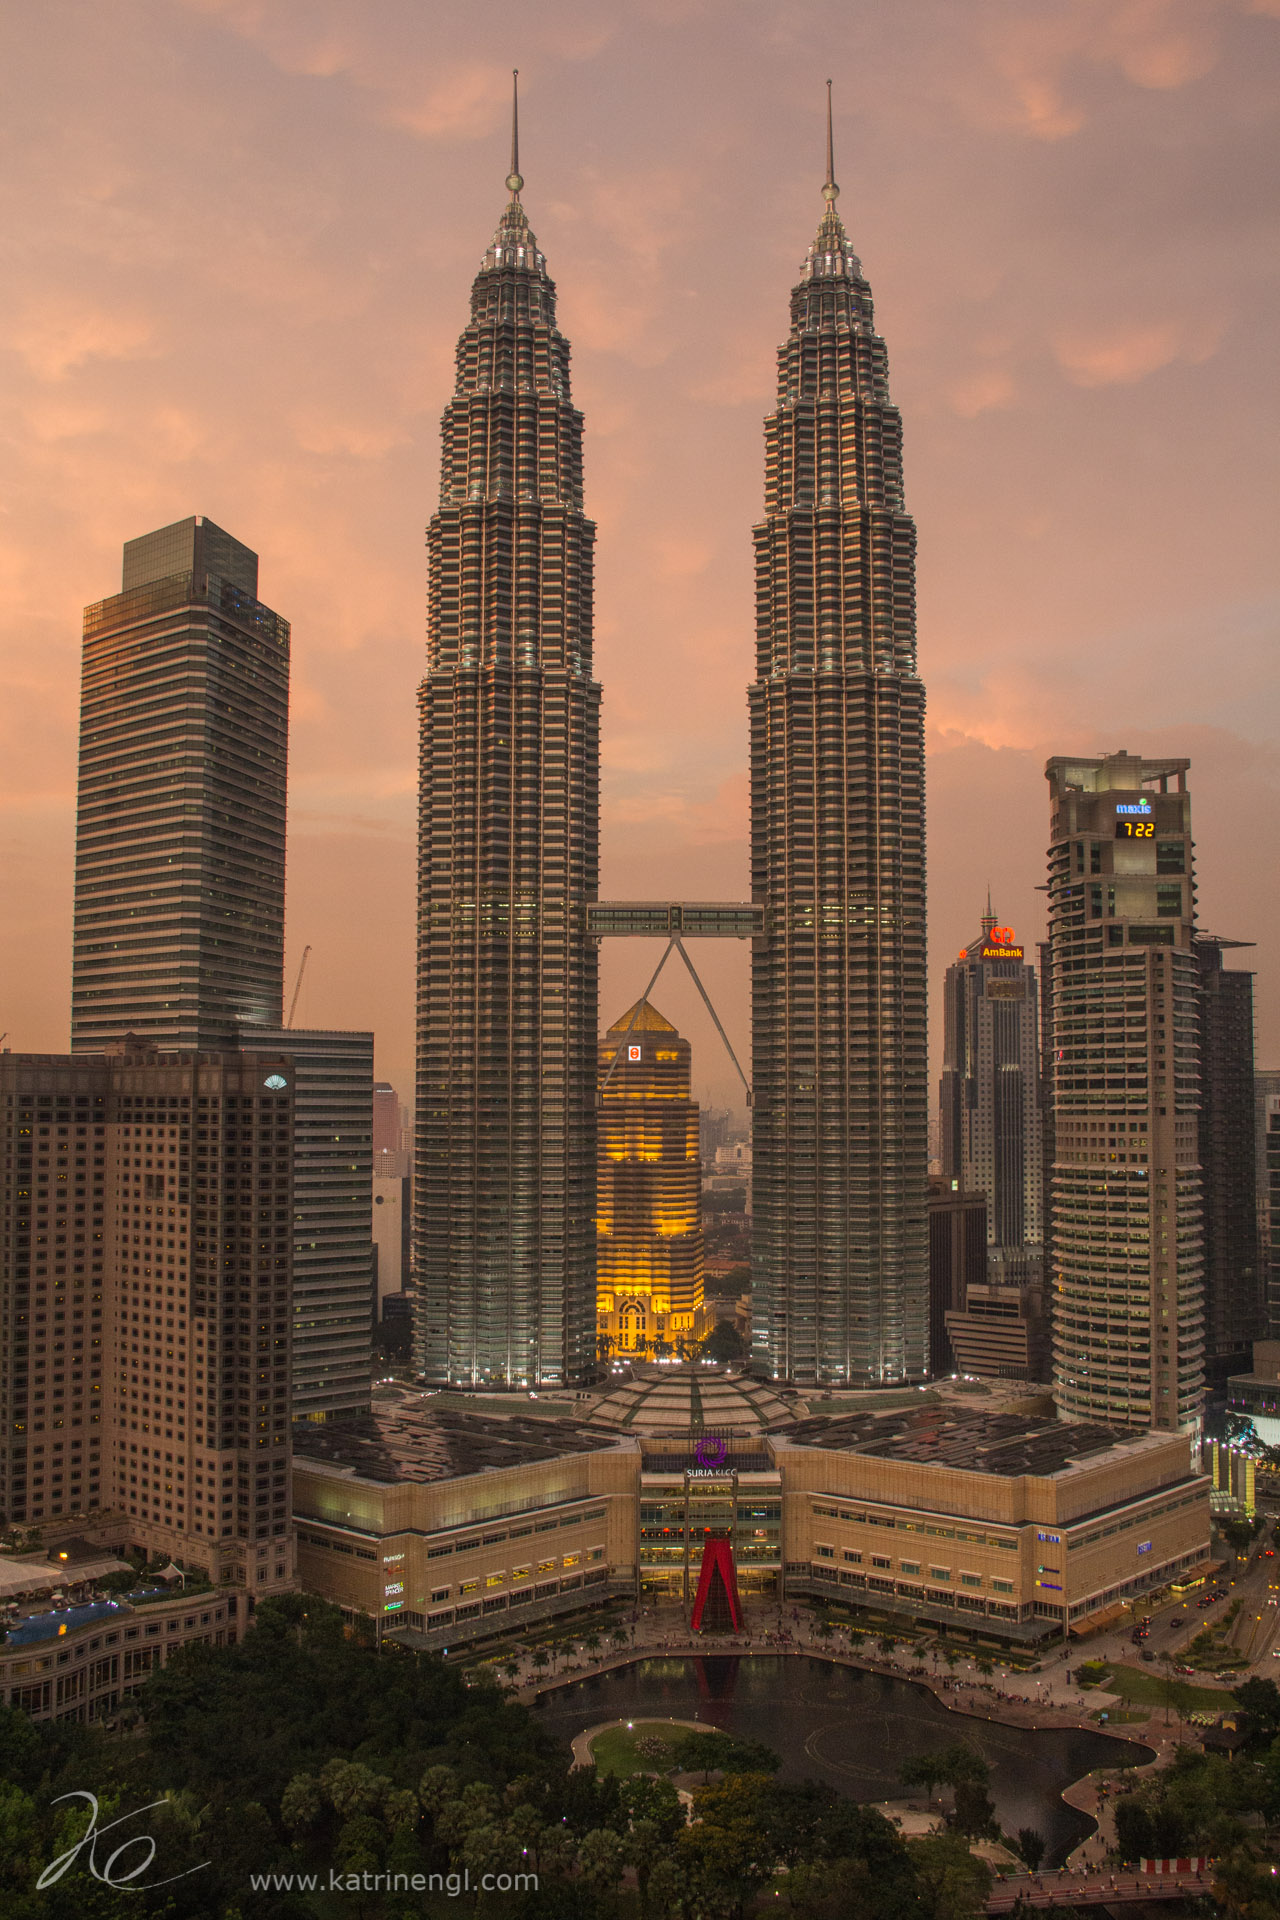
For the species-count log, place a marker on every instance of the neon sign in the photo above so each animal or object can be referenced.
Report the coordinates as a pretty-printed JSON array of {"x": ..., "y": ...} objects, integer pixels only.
[{"x": 711, "y": 1451}]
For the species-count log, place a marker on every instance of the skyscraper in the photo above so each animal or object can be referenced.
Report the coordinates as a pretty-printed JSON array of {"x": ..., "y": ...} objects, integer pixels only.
[
  {"x": 1125, "y": 1191},
  {"x": 1235, "y": 1306},
  {"x": 837, "y": 856},
  {"x": 179, "y": 907},
  {"x": 991, "y": 1084},
  {"x": 649, "y": 1272},
  {"x": 504, "y": 1163},
  {"x": 180, "y": 876}
]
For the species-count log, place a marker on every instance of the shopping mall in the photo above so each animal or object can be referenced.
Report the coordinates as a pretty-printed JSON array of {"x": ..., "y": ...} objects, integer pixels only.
[{"x": 984, "y": 1516}]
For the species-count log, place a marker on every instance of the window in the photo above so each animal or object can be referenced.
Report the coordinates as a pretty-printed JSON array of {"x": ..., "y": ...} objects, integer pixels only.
[
  {"x": 880, "y": 1560},
  {"x": 909, "y": 1566},
  {"x": 970, "y": 1579},
  {"x": 939, "y": 1573}
]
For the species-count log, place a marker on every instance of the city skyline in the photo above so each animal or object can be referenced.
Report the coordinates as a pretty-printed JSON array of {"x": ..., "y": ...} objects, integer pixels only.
[{"x": 1057, "y": 363}]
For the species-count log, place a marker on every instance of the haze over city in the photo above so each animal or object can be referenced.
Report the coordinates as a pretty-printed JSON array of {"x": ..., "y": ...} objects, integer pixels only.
[{"x": 239, "y": 240}]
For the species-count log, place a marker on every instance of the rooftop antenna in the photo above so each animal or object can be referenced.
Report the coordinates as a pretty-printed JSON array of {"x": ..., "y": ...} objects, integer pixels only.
[
  {"x": 830, "y": 191},
  {"x": 514, "y": 179}
]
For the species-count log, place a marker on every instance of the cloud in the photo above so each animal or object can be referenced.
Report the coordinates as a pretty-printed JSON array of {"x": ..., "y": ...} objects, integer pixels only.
[
  {"x": 58, "y": 332},
  {"x": 1128, "y": 354},
  {"x": 981, "y": 391}
]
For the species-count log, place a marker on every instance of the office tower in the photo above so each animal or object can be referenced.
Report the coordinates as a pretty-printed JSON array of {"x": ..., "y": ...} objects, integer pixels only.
[
  {"x": 990, "y": 1094},
  {"x": 837, "y": 857},
  {"x": 1266, "y": 1090},
  {"x": 1125, "y": 1199},
  {"x": 504, "y": 1162},
  {"x": 179, "y": 900},
  {"x": 392, "y": 1136},
  {"x": 391, "y": 1226},
  {"x": 1235, "y": 1308},
  {"x": 180, "y": 896},
  {"x": 333, "y": 1267},
  {"x": 957, "y": 1261},
  {"x": 144, "y": 1366},
  {"x": 649, "y": 1253}
]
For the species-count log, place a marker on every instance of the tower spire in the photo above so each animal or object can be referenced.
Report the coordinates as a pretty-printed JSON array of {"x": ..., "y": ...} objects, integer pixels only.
[
  {"x": 514, "y": 179},
  {"x": 830, "y": 191}
]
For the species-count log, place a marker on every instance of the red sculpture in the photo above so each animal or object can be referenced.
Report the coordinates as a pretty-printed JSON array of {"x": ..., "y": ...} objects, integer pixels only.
[{"x": 717, "y": 1606}]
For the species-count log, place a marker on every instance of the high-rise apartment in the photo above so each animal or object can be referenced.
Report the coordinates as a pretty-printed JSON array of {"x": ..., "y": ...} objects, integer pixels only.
[
  {"x": 1127, "y": 1228},
  {"x": 1235, "y": 1307},
  {"x": 145, "y": 1245},
  {"x": 837, "y": 857},
  {"x": 179, "y": 902},
  {"x": 649, "y": 1249},
  {"x": 504, "y": 1162},
  {"x": 180, "y": 877}
]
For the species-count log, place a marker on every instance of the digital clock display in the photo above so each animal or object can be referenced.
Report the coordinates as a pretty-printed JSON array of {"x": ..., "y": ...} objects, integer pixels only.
[{"x": 1135, "y": 829}]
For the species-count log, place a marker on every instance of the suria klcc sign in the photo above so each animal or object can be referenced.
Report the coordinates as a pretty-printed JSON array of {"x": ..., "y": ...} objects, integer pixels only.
[{"x": 709, "y": 1455}]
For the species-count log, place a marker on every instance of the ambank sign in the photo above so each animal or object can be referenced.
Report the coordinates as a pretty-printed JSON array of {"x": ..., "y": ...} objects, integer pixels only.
[{"x": 1000, "y": 944}]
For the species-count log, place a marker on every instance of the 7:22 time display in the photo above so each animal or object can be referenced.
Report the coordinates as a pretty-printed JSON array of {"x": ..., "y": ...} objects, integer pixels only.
[{"x": 1135, "y": 829}]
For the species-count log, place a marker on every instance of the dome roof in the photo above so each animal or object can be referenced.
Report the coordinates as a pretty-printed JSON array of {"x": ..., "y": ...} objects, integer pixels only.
[
  {"x": 686, "y": 1399},
  {"x": 642, "y": 1018}
]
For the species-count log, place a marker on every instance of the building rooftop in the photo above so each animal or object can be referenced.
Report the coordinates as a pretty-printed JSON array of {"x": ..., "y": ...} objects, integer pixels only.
[
  {"x": 420, "y": 1441},
  {"x": 972, "y": 1440},
  {"x": 689, "y": 1399}
]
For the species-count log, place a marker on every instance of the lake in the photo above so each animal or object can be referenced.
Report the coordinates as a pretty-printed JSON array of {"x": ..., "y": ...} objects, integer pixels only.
[{"x": 849, "y": 1728}]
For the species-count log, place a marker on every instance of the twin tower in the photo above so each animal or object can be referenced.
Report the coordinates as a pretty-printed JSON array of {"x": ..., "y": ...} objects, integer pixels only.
[{"x": 508, "y": 919}]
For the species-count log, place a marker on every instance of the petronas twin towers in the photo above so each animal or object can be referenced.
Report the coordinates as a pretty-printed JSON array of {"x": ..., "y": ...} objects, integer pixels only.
[{"x": 508, "y": 859}]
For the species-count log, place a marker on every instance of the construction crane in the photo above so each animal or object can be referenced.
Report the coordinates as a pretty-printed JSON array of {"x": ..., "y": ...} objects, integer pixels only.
[{"x": 297, "y": 988}]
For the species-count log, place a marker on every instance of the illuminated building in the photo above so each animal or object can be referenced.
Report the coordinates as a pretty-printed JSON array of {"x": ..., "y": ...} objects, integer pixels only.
[
  {"x": 840, "y": 1289},
  {"x": 648, "y": 1190},
  {"x": 145, "y": 1322},
  {"x": 180, "y": 832},
  {"x": 459, "y": 1527},
  {"x": 504, "y": 1163},
  {"x": 1125, "y": 1190}
]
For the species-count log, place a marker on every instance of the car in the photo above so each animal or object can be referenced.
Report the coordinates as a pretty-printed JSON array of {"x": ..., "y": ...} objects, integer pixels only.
[
  {"x": 1146, "y": 1655},
  {"x": 1175, "y": 1624},
  {"x": 1268, "y": 1553},
  {"x": 1275, "y": 1653}
]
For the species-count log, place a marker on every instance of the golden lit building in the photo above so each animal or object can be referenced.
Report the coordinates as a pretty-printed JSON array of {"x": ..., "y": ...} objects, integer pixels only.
[{"x": 648, "y": 1190}]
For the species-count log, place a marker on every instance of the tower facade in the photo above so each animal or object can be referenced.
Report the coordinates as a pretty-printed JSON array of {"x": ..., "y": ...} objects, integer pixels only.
[
  {"x": 145, "y": 1321},
  {"x": 1126, "y": 1241},
  {"x": 504, "y": 1165},
  {"x": 1235, "y": 1305},
  {"x": 990, "y": 1093},
  {"x": 180, "y": 833},
  {"x": 840, "y": 1255},
  {"x": 649, "y": 1252}
]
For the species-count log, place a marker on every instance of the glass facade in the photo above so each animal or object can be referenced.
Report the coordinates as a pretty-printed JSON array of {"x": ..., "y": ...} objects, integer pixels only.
[
  {"x": 180, "y": 834},
  {"x": 678, "y": 1515}
]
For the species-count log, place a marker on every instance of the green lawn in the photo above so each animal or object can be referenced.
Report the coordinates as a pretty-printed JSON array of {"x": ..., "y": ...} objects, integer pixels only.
[
  {"x": 614, "y": 1750},
  {"x": 1147, "y": 1689}
]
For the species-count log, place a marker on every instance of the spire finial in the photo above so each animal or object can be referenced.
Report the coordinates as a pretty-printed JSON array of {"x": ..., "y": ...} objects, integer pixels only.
[
  {"x": 514, "y": 180},
  {"x": 830, "y": 191}
]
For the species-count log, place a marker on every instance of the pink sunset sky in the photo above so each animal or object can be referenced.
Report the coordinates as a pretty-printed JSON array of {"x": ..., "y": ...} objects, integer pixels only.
[{"x": 238, "y": 241}]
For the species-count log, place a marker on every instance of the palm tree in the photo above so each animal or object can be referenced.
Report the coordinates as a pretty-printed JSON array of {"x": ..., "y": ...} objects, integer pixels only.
[{"x": 541, "y": 1658}]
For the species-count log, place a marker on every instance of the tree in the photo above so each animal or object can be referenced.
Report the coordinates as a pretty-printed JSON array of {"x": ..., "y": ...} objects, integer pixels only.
[
  {"x": 887, "y": 1643},
  {"x": 925, "y": 1770},
  {"x": 541, "y": 1658},
  {"x": 301, "y": 1803},
  {"x": 1030, "y": 1845},
  {"x": 956, "y": 1881},
  {"x": 723, "y": 1343},
  {"x": 601, "y": 1857},
  {"x": 704, "y": 1752}
]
